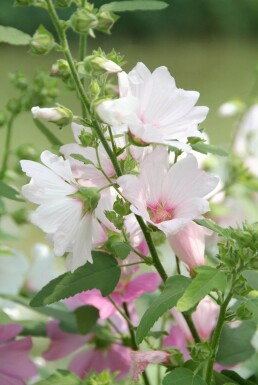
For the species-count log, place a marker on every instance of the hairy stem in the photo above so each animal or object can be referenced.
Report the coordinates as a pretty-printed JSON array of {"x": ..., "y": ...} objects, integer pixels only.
[{"x": 216, "y": 336}]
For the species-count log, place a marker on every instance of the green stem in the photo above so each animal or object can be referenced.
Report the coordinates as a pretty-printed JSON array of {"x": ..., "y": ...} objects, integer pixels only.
[
  {"x": 152, "y": 248},
  {"x": 133, "y": 341},
  {"x": 82, "y": 51},
  {"x": 192, "y": 327},
  {"x": 7, "y": 147},
  {"x": 216, "y": 336}
]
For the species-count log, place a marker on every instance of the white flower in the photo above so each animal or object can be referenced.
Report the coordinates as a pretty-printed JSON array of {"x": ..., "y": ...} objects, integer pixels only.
[
  {"x": 61, "y": 213},
  {"x": 168, "y": 197},
  {"x": 153, "y": 109},
  {"x": 59, "y": 115}
]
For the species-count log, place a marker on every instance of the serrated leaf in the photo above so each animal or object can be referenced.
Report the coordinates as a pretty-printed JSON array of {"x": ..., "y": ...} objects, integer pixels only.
[
  {"x": 9, "y": 192},
  {"x": 103, "y": 274},
  {"x": 86, "y": 318},
  {"x": 63, "y": 377},
  {"x": 121, "y": 249},
  {"x": 235, "y": 344},
  {"x": 206, "y": 280},
  {"x": 134, "y": 5},
  {"x": 251, "y": 277},
  {"x": 183, "y": 376},
  {"x": 223, "y": 232},
  {"x": 47, "y": 133},
  {"x": 13, "y": 36},
  {"x": 206, "y": 148},
  {"x": 173, "y": 290},
  {"x": 81, "y": 158}
]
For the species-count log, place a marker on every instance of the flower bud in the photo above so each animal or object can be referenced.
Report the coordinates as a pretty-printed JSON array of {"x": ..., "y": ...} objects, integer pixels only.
[
  {"x": 27, "y": 151},
  {"x": 59, "y": 115},
  {"x": 94, "y": 88},
  {"x": 91, "y": 197},
  {"x": 107, "y": 65},
  {"x": 20, "y": 216},
  {"x": 42, "y": 41},
  {"x": 230, "y": 108},
  {"x": 62, "y": 3},
  {"x": 82, "y": 20},
  {"x": 14, "y": 106},
  {"x": 61, "y": 69},
  {"x": 106, "y": 21},
  {"x": 2, "y": 118}
]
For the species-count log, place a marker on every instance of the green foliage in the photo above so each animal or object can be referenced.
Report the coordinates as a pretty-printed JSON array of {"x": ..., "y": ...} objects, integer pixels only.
[
  {"x": 206, "y": 148},
  {"x": 13, "y": 36},
  {"x": 9, "y": 192},
  {"x": 33, "y": 328},
  {"x": 235, "y": 343},
  {"x": 102, "y": 274},
  {"x": 223, "y": 232},
  {"x": 114, "y": 218},
  {"x": 86, "y": 318},
  {"x": 182, "y": 376},
  {"x": 121, "y": 249},
  {"x": 207, "y": 280},
  {"x": 63, "y": 377},
  {"x": 82, "y": 159},
  {"x": 173, "y": 290},
  {"x": 251, "y": 277},
  {"x": 134, "y": 5}
]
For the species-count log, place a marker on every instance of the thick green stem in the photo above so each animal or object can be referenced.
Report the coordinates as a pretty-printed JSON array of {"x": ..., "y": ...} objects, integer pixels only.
[
  {"x": 7, "y": 147},
  {"x": 153, "y": 251},
  {"x": 192, "y": 327},
  {"x": 82, "y": 53},
  {"x": 215, "y": 338}
]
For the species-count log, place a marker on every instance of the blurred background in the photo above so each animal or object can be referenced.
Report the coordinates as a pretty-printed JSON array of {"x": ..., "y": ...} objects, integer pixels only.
[{"x": 208, "y": 45}]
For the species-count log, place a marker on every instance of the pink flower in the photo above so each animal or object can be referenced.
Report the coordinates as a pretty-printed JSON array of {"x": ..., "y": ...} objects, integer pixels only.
[
  {"x": 153, "y": 109},
  {"x": 176, "y": 339},
  {"x": 168, "y": 197},
  {"x": 64, "y": 212},
  {"x": 189, "y": 244},
  {"x": 15, "y": 365},
  {"x": 140, "y": 361},
  {"x": 204, "y": 319},
  {"x": 116, "y": 358}
]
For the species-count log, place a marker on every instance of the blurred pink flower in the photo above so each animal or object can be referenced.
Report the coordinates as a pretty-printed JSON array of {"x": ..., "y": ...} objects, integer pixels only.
[
  {"x": 176, "y": 339},
  {"x": 189, "y": 244},
  {"x": 140, "y": 361},
  {"x": 168, "y": 197},
  {"x": 15, "y": 365}
]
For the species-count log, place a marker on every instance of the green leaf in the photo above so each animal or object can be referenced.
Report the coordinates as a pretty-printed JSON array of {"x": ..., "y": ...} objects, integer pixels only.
[
  {"x": 102, "y": 274},
  {"x": 48, "y": 133},
  {"x": 206, "y": 148},
  {"x": 86, "y": 318},
  {"x": 9, "y": 192},
  {"x": 33, "y": 328},
  {"x": 134, "y": 5},
  {"x": 173, "y": 290},
  {"x": 82, "y": 159},
  {"x": 223, "y": 232},
  {"x": 63, "y": 377},
  {"x": 4, "y": 318},
  {"x": 235, "y": 344},
  {"x": 207, "y": 279},
  {"x": 121, "y": 249},
  {"x": 13, "y": 36},
  {"x": 251, "y": 277},
  {"x": 236, "y": 378},
  {"x": 182, "y": 376}
]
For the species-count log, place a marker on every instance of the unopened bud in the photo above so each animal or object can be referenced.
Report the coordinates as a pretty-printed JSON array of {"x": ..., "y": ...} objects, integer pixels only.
[
  {"x": 20, "y": 216},
  {"x": 61, "y": 69},
  {"x": 94, "y": 88},
  {"x": 106, "y": 21},
  {"x": 14, "y": 106},
  {"x": 42, "y": 41},
  {"x": 107, "y": 65},
  {"x": 27, "y": 151},
  {"x": 83, "y": 20},
  {"x": 230, "y": 108},
  {"x": 59, "y": 115}
]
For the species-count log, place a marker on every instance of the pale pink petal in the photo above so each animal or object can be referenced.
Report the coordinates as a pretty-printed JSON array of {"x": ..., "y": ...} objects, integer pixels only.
[
  {"x": 9, "y": 331},
  {"x": 84, "y": 362},
  {"x": 140, "y": 361},
  {"x": 119, "y": 360},
  {"x": 58, "y": 165},
  {"x": 144, "y": 283},
  {"x": 94, "y": 297},
  {"x": 176, "y": 339},
  {"x": 205, "y": 317}
]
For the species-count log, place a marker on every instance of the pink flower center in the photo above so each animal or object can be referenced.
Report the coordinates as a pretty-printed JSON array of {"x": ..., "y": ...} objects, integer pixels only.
[{"x": 160, "y": 212}]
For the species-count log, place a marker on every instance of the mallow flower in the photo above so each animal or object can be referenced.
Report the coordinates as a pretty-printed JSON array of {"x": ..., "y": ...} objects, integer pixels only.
[
  {"x": 67, "y": 211},
  {"x": 168, "y": 197},
  {"x": 152, "y": 109}
]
